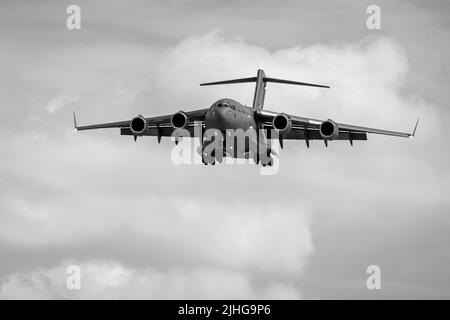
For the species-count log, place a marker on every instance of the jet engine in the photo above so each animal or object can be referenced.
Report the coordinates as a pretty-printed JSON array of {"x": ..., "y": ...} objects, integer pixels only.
[
  {"x": 138, "y": 126},
  {"x": 179, "y": 120},
  {"x": 282, "y": 123},
  {"x": 329, "y": 130}
]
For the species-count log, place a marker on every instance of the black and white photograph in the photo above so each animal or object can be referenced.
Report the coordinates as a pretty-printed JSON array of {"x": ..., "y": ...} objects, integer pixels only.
[{"x": 209, "y": 150}]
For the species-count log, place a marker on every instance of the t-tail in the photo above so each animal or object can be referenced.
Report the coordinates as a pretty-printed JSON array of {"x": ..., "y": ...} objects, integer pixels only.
[{"x": 260, "y": 88}]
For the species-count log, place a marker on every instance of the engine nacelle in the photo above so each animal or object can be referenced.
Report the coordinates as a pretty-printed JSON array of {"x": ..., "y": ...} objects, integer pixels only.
[
  {"x": 138, "y": 126},
  {"x": 329, "y": 130},
  {"x": 179, "y": 120},
  {"x": 282, "y": 123}
]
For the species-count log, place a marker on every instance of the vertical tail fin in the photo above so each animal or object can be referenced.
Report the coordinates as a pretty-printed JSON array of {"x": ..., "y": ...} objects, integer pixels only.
[{"x": 260, "y": 90}]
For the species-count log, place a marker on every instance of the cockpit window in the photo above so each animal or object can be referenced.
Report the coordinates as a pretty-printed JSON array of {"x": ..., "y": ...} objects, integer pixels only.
[
  {"x": 219, "y": 105},
  {"x": 225, "y": 105}
]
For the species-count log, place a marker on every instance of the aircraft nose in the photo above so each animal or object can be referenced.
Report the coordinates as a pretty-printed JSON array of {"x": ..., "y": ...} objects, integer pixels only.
[
  {"x": 219, "y": 116},
  {"x": 219, "y": 112}
]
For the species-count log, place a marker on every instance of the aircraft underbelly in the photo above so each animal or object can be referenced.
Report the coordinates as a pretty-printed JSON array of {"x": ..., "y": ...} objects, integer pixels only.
[{"x": 224, "y": 120}]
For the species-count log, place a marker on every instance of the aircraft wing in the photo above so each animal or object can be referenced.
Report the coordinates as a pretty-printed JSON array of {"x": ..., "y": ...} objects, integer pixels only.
[
  {"x": 157, "y": 126},
  {"x": 308, "y": 129}
]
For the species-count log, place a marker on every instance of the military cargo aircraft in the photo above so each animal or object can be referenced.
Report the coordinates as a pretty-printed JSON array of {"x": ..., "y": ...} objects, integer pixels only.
[{"x": 227, "y": 114}]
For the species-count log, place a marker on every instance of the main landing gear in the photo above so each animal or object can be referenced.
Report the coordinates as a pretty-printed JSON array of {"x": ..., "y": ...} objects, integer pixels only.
[{"x": 213, "y": 158}]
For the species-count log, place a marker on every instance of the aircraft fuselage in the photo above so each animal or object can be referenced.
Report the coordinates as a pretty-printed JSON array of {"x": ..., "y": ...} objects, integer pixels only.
[{"x": 229, "y": 114}]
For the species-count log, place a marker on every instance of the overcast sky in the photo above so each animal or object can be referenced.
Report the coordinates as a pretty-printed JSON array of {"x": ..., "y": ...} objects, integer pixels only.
[{"x": 141, "y": 227}]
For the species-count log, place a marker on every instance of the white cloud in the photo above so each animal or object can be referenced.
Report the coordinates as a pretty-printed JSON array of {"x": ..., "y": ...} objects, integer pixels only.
[
  {"x": 59, "y": 102},
  {"x": 111, "y": 280},
  {"x": 262, "y": 238}
]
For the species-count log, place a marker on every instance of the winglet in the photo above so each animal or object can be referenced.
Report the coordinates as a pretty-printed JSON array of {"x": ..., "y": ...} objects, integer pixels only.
[
  {"x": 415, "y": 128},
  {"x": 75, "y": 126}
]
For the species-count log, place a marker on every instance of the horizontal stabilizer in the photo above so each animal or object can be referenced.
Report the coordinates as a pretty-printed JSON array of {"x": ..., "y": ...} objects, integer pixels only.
[
  {"x": 242, "y": 80},
  {"x": 260, "y": 88},
  {"x": 294, "y": 82},
  {"x": 265, "y": 80}
]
